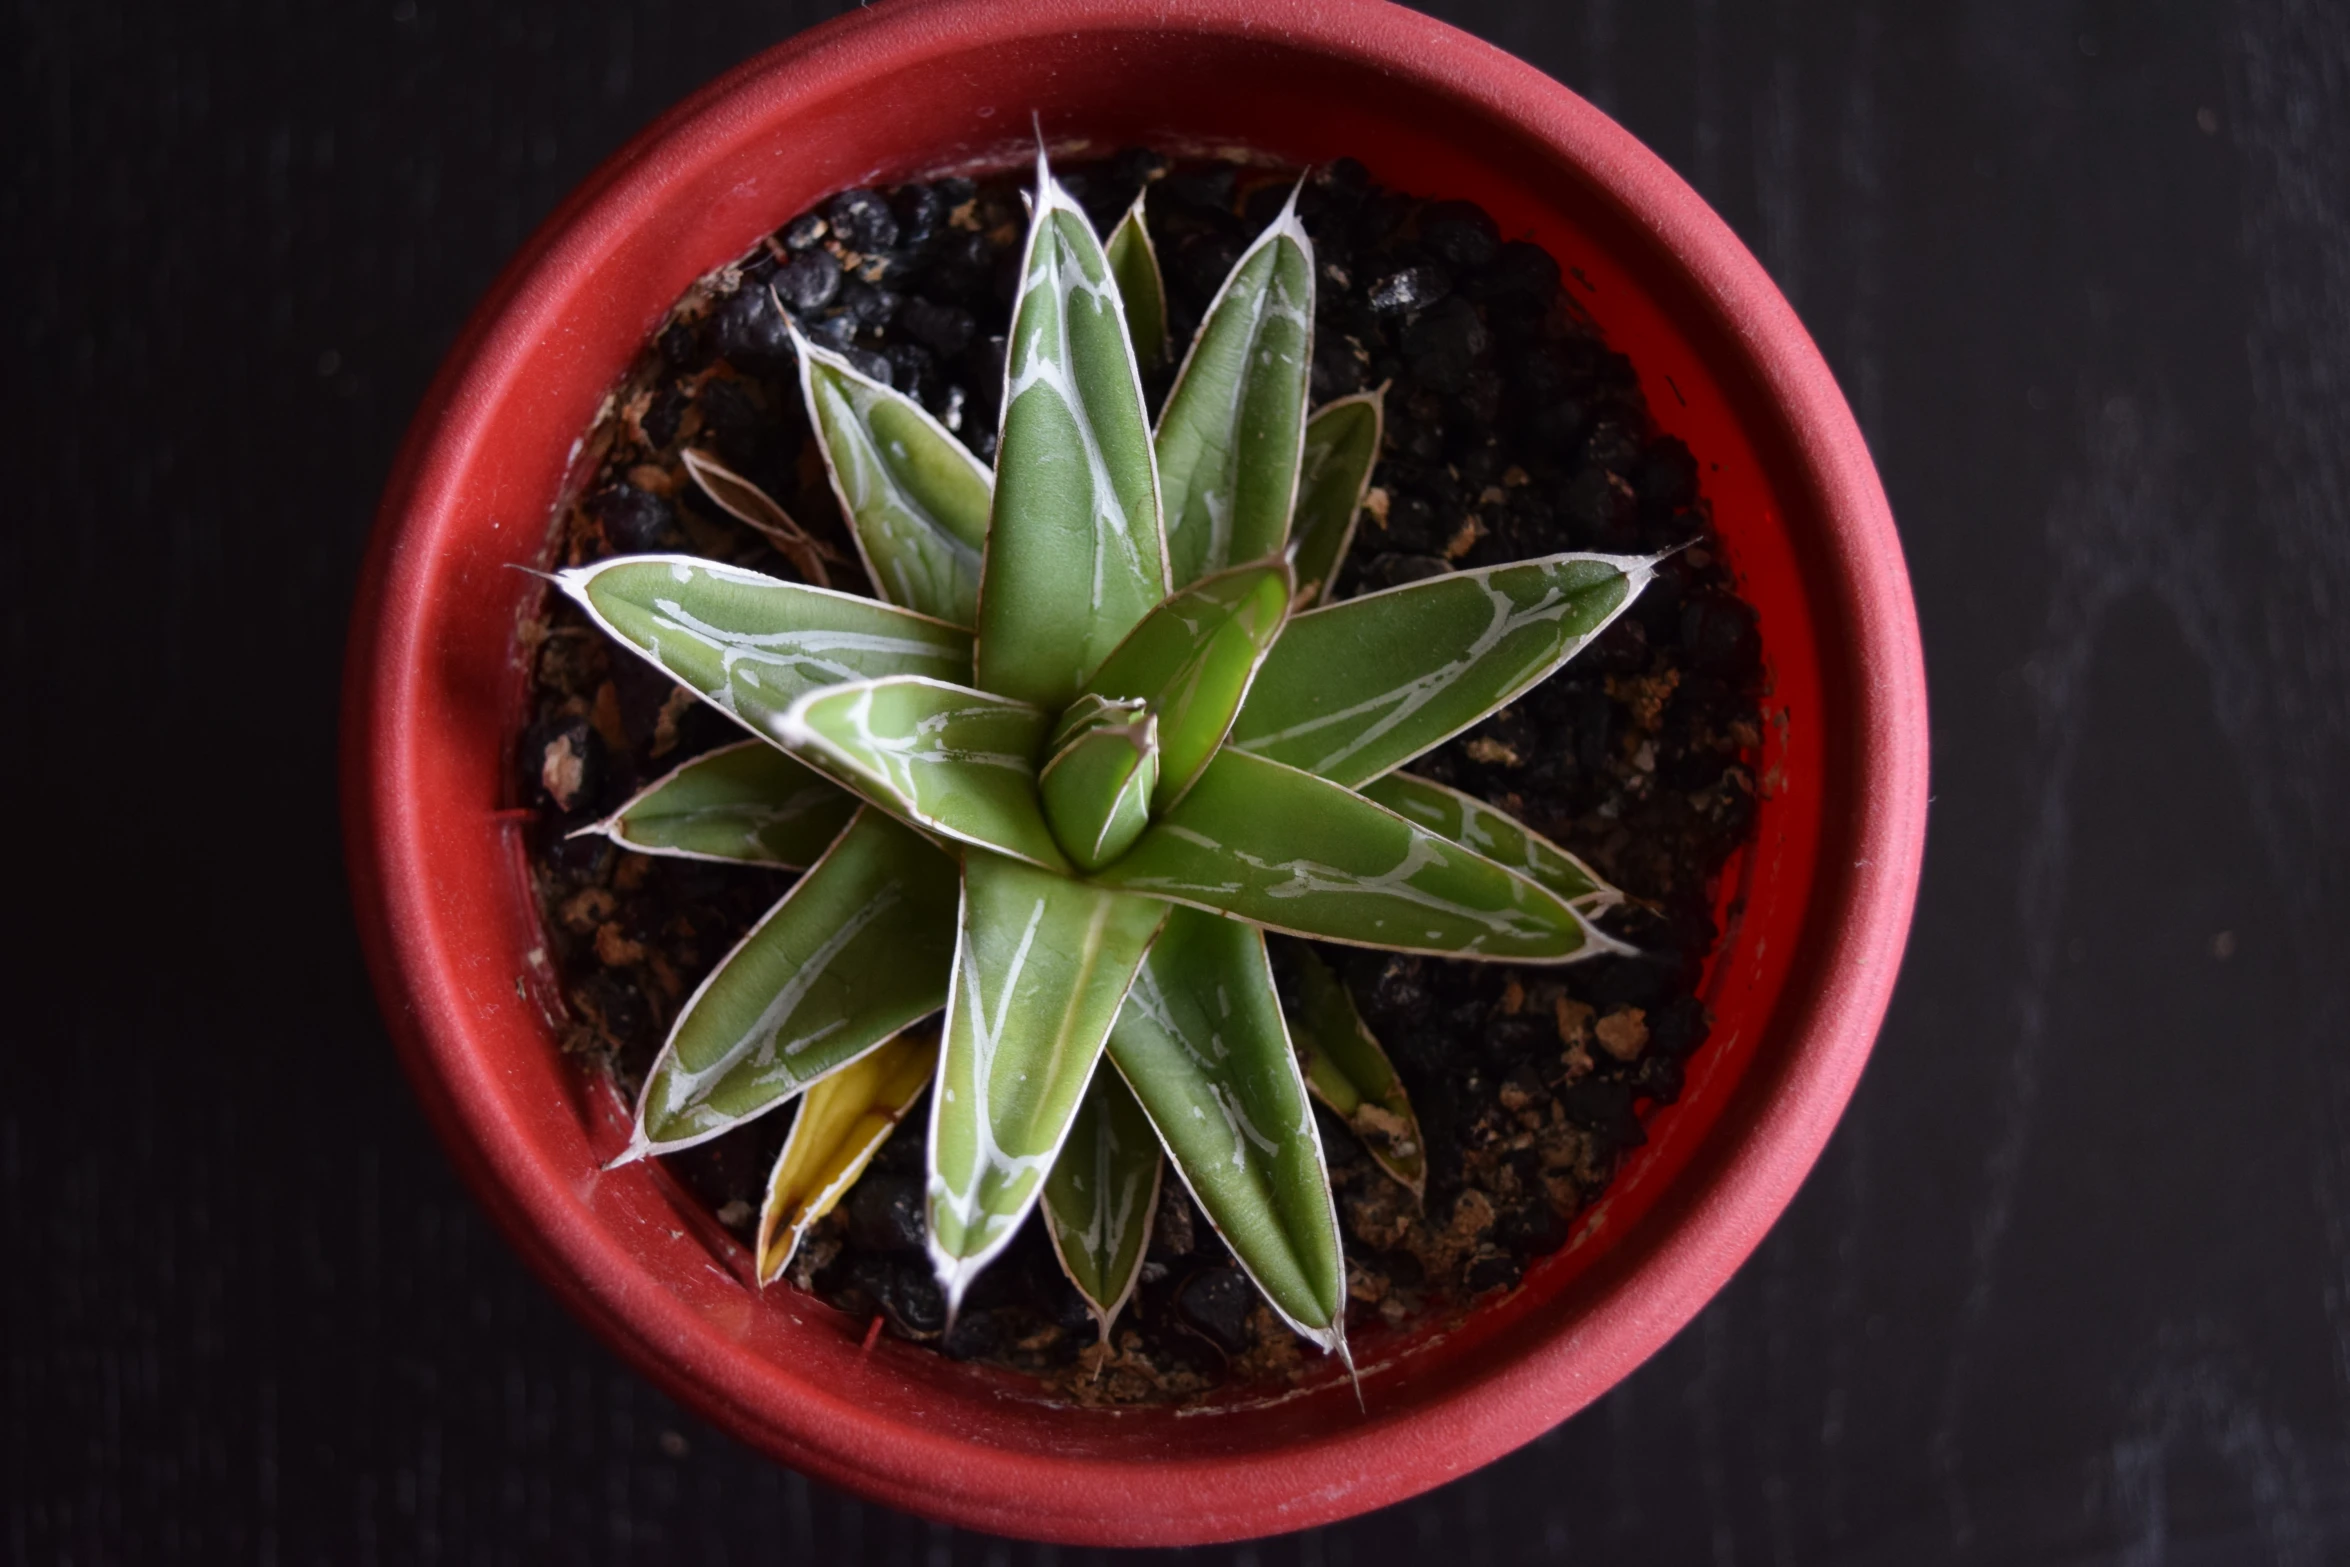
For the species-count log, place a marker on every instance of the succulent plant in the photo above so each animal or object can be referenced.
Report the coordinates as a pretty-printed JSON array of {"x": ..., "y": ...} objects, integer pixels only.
[{"x": 1103, "y": 730}]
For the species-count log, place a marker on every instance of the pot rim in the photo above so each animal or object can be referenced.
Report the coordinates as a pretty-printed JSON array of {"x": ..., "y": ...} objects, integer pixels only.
[{"x": 1659, "y": 1277}]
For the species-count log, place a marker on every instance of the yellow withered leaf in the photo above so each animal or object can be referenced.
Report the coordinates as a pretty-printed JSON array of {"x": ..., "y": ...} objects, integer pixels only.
[{"x": 843, "y": 1121}]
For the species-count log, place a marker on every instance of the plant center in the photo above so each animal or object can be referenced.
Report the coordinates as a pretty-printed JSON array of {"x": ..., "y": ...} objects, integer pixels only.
[{"x": 1101, "y": 765}]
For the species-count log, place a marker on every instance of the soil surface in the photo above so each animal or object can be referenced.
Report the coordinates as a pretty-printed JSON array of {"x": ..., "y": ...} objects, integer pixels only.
[{"x": 1512, "y": 431}]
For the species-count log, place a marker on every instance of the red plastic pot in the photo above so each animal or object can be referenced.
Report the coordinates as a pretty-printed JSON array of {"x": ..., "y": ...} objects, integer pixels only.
[{"x": 434, "y": 697}]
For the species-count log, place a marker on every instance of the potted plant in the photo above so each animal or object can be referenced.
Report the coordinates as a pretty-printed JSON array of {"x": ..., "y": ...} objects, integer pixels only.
[{"x": 1796, "y": 988}]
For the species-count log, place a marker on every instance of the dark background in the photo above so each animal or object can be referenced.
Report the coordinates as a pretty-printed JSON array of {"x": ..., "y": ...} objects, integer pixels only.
[{"x": 2072, "y": 1283}]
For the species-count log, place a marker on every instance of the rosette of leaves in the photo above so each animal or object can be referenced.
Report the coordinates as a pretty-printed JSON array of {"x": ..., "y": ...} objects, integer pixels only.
[{"x": 1061, "y": 780}]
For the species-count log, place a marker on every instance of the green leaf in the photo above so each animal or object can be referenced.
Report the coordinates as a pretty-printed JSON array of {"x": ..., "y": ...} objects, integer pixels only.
[
  {"x": 1090, "y": 712},
  {"x": 1361, "y": 687},
  {"x": 739, "y": 498},
  {"x": 856, "y": 951},
  {"x": 1494, "y": 833},
  {"x": 1040, "y": 970},
  {"x": 1201, "y": 1042},
  {"x": 1342, "y": 447},
  {"x": 1134, "y": 262},
  {"x": 1192, "y": 659},
  {"x": 1074, "y": 554},
  {"x": 746, "y": 803},
  {"x": 1229, "y": 438},
  {"x": 1101, "y": 1195},
  {"x": 1297, "y": 853},
  {"x": 843, "y": 1121},
  {"x": 955, "y": 761},
  {"x": 1348, "y": 1070},
  {"x": 915, "y": 496},
  {"x": 751, "y": 645},
  {"x": 1097, "y": 787}
]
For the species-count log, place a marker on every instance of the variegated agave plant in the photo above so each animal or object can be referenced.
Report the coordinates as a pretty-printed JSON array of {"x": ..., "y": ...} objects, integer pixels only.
[{"x": 1060, "y": 783}]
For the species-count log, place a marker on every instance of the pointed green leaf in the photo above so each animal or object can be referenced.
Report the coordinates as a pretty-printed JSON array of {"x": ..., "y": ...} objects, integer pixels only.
[
  {"x": 856, "y": 951},
  {"x": 955, "y": 761},
  {"x": 917, "y": 499},
  {"x": 1342, "y": 447},
  {"x": 1297, "y": 853},
  {"x": 1039, "y": 972},
  {"x": 1101, "y": 1195},
  {"x": 1074, "y": 554},
  {"x": 751, "y": 645},
  {"x": 1494, "y": 833},
  {"x": 1097, "y": 787},
  {"x": 1134, "y": 262},
  {"x": 1361, "y": 687},
  {"x": 1192, "y": 659},
  {"x": 843, "y": 1121},
  {"x": 1091, "y": 712},
  {"x": 1348, "y": 1070},
  {"x": 746, "y": 803},
  {"x": 1201, "y": 1042},
  {"x": 1229, "y": 438}
]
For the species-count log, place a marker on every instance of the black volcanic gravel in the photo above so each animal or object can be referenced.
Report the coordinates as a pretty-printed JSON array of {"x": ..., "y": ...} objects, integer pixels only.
[{"x": 1512, "y": 430}]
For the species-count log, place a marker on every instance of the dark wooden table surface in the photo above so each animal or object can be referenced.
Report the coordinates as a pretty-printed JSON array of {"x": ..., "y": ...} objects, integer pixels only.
[{"x": 2072, "y": 1283}]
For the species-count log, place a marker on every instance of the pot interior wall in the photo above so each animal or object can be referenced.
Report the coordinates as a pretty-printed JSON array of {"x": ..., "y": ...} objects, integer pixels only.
[{"x": 782, "y": 1369}]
